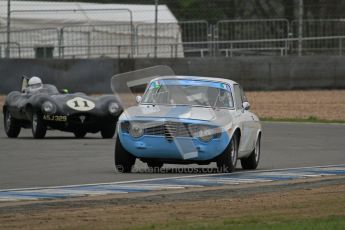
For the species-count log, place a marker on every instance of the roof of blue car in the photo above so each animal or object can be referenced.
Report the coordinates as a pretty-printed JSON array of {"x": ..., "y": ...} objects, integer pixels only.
[{"x": 196, "y": 78}]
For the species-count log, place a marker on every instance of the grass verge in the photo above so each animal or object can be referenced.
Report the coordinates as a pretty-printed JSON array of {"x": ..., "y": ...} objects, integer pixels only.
[
  {"x": 332, "y": 222},
  {"x": 305, "y": 208}
]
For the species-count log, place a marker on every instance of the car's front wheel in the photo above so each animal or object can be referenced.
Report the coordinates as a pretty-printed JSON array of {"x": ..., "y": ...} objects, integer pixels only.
[
  {"x": 12, "y": 128},
  {"x": 124, "y": 161},
  {"x": 228, "y": 159},
  {"x": 79, "y": 133},
  {"x": 38, "y": 127},
  {"x": 252, "y": 161}
]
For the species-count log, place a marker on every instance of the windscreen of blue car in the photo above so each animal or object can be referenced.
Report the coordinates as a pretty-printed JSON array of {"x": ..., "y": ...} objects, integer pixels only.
[{"x": 189, "y": 92}]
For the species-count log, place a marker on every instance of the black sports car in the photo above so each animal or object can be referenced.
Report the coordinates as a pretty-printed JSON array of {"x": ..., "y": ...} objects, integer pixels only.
[{"x": 47, "y": 108}]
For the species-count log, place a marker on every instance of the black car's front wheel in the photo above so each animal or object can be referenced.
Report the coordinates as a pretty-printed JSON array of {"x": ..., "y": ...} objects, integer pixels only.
[
  {"x": 79, "y": 133},
  {"x": 124, "y": 161},
  {"x": 12, "y": 127},
  {"x": 228, "y": 159},
  {"x": 38, "y": 127}
]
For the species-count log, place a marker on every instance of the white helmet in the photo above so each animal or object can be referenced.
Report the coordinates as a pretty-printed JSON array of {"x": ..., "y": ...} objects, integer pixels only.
[{"x": 34, "y": 84}]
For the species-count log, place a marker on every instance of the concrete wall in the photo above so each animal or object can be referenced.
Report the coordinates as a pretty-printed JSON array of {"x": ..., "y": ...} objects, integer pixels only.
[{"x": 254, "y": 73}]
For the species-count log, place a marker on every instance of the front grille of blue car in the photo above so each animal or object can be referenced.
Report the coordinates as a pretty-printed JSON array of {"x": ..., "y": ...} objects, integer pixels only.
[{"x": 167, "y": 129}]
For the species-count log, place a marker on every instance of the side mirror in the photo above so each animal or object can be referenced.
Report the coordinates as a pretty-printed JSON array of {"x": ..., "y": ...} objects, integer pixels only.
[
  {"x": 138, "y": 99},
  {"x": 246, "y": 105}
]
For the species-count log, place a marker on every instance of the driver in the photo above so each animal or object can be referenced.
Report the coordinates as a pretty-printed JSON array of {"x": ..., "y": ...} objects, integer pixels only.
[
  {"x": 223, "y": 98},
  {"x": 34, "y": 85}
]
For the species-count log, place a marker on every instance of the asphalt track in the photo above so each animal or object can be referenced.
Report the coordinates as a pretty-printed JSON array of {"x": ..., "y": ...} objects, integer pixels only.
[{"x": 60, "y": 159}]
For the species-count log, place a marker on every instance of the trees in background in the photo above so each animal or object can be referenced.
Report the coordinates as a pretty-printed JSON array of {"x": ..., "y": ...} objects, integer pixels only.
[{"x": 214, "y": 10}]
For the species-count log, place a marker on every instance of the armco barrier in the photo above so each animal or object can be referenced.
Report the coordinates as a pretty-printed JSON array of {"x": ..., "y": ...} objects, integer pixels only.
[
  {"x": 90, "y": 76},
  {"x": 254, "y": 73}
]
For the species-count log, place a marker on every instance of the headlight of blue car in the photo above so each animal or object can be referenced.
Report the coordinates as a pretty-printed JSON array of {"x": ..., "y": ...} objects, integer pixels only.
[
  {"x": 205, "y": 133},
  {"x": 48, "y": 107},
  {"x": 135, "y": 130}
]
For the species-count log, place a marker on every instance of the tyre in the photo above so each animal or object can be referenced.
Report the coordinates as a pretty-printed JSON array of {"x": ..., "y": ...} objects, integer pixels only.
[
  {"x": 124, "y": 161},
  {"x": 11, "y": 125},
  {"x": 252, "y": 161},
  {"x": 108, "y": 131},
  {"x": 79, "y": 133},
  {"x": 228, "y": 159},
  {"x": 38, "y": 127},
  {"x": 155, "y": 165}
]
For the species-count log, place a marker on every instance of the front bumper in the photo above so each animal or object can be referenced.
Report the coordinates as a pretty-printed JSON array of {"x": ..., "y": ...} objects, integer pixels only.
[{"x": 181, "y": 148}]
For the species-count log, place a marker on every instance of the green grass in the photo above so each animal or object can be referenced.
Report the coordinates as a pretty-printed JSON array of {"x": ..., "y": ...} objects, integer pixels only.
[
  {"x": 332, "y": 222},
  {"x": 311, "y": 119}
]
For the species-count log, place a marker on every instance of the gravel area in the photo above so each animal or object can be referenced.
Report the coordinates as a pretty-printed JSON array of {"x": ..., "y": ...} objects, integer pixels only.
[
  {"x": 315, "y": 104},
  {"x": 324, "y": 105}
]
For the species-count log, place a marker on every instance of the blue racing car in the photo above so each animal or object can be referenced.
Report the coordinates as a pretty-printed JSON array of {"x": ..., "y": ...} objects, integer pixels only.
[{"x": 184, "y": 120}]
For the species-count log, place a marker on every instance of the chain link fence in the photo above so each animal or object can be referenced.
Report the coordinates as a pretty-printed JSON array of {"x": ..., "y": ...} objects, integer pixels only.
[
  {"x": 184, "y": 39},
  {"x": 92, "y": 41},
  {"x": 241, "y": 33},
  {"x": 90, "y": 36},
  {"x": 327, "y": 33}
]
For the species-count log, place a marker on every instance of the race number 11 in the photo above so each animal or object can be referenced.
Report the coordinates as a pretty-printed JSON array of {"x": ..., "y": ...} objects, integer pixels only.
[
  {"x": 77, "y": 105},
  {"x": 80, "y": 104}
]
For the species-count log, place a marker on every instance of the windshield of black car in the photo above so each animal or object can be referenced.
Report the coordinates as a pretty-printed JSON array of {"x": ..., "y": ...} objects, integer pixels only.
[
  {"x": 189, "y": 92},
  {"x": 46, "y": 89}
]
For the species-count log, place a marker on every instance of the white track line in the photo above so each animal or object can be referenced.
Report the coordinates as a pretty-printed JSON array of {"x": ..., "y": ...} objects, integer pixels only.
[{"x": 166, "y": 178}]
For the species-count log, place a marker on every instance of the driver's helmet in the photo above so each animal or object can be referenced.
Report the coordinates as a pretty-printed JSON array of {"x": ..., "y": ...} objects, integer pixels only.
[
  {"x": 222, "y": 95},
  {"x": 34, "y": 84}
]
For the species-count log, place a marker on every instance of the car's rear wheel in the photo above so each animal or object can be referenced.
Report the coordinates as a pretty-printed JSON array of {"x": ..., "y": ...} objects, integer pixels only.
[
  {"x": 108, "y": 131},
  {"x": 12, "y": 127},
  {"x": 155, "y": 165},
  {"x": 124, "y": 161},
  {"x": 252, "y": 161},
  {"x": 38, "y": 127},
  {"x": 228, "y": 159},
  {"x": 79, "y": 133}
]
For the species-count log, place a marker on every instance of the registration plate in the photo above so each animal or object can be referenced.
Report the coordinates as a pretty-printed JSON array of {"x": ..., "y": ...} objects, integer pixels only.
[{"x": 55, "y": 118}]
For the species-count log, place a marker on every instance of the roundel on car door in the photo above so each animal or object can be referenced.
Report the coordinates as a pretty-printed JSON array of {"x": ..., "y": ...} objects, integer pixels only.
[{"x": 80, "y": 104}]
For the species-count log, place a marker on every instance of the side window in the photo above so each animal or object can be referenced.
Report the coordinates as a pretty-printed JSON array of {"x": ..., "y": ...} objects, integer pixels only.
[{"x": 238, "y": 97}]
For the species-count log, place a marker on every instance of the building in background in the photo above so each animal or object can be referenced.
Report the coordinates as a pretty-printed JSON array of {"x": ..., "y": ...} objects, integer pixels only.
[{"x": 88, "y": 30}]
